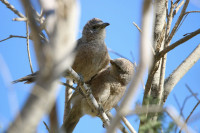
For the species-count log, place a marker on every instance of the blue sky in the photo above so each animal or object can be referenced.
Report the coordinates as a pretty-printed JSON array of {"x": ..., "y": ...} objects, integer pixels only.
[{"x": 122, "y": 37}]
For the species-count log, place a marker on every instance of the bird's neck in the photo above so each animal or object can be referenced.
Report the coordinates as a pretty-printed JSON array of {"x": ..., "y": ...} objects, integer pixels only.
[{"x": 97, "y": 39}]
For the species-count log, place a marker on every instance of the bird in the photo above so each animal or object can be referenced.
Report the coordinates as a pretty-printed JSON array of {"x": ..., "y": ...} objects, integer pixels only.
[
  {"x": 107, "y": 87},
  {"x": 91, "y": 52}
]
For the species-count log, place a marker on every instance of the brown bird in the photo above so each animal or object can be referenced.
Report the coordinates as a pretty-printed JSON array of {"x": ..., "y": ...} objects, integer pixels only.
[
  {"x": 107, "y": 87},
  {"x": 91, "y": 52}
]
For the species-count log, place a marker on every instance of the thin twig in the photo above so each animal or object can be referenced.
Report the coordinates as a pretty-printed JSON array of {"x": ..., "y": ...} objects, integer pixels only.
[
  {"x": 192, "y": 111},
  {"x": 171, "y": 111},
  {"x": 67, "y": 85},
  {"x": 34, "y": 108},
  {"x": 179, "y": 106},
  {"x": 19, "y": 19},
  {"x": 88, "y": 95},
  {"x": 116, "y": 53},
  {"x": 177, "y": 8},
  {"x": 177, "y": 102},
  {"x": 184, "y": 102},
  {"x": 120, "y": 126},
  {"x": 12, "y": 8},
  {"x": 192, "y": 12},
  {"x": 145, "y": 62},
  {"x": 177, "y": 43},
  {"x": 68, "y": 94},
  {"x": 53, "y": 118},
  {"x": 137, "y": 26},
  {"x": 177, "y": 1},
  {"x": 139, "y": 110},
  {"x": 191, "y": 114},
  {"x": 46, "y": 126},
  {"x": 192, "y": 92},
  {"x": 28, "y": 50},
  {"x": 178, "y": 22},
  {"x": 126, "y": 122},
  {"x": 153, "y": 51},
  {"x": 12, "y": 36}
]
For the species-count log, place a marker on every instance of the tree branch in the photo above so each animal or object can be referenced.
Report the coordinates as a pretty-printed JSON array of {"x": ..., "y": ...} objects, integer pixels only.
[
  {"x": 194, "y": 106},
  {"x": 68, "y": 94},
  {"x": 28, "y": 50},
  {"x": 88, "y": 95},
  {"x": 177, "y": 43},
  {"x": 51, "y": 65},
  {"x": 137, "y": 27},
  {"x": 53, "y": 118},
  {"x": 12, "y": 36},
  {"x": 145, "y": 62},
  {"x": 180, "y": 71},
  {"x": 178, "y": 21},
  {"x": 12, "y": 8},
  {"x": 178, "y": 7},
  {"x": 126, "y": 122},
  {"x": 178, "y": 120}
]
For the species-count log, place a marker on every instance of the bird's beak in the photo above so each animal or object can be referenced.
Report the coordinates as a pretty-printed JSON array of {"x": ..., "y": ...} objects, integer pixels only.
[{"x": 104, "y": 25}]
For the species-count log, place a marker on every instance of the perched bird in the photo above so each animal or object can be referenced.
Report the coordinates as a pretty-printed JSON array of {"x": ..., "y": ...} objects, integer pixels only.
[
  {"x": 91, "y": 52},
  {"x": 107, "y": 87}
]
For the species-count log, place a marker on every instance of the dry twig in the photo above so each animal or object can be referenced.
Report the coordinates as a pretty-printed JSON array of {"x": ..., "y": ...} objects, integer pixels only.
[
  {"x": 12, "y": 36},
  {"x": 145, "y": 61},
  {"x": 180, "y": 71},
  {"x": 28, "y": 50}
]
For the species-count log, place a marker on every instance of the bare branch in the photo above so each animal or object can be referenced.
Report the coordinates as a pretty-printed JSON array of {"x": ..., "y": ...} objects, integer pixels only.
[
  {"x": 27, "y": 42},
  {"x": 120, "y": 126},
  {"x": 67, "y": 85},
  {"x": 137, "y": 26},
  {"x": 146, "y": 109},
  {"x": 177, "y": 102},
  {"x": 19, "y": 19},
  {"x": 177, "y": 1},
  {"x": 88, "y": 95},
  {"x": 177, "y": 8},
  {"x": 177, "y": 43},
  {"x": 193, "y": 94},
  {"x": 126, "y": 122},
  {"x": 153, "y": 51},
  {"x": 180, "y": 71},
  {"x": 192, "y": 12},
  {"x": 116, "y": 53},
  {"x": 53, "y": 117},
  {"x": 46, "y": 126},
  {"x": 51, "y": 65},
  {"x": 178, "y": 21},
  {"x": 12, "y": 36},
  {"x": 68, "y": 94},
  {"x": 178, "y": 120},
  {"x": 145, "y": 62},
  {"x": 12, "y": 8},
  {"x": 171, "y": 111},
  {"x": 192, "y": 111}
]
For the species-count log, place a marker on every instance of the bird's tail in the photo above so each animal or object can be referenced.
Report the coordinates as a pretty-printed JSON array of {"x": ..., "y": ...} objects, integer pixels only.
[
  {"x": 27, "y": 79},
  {"x": 72, "y": 119}
]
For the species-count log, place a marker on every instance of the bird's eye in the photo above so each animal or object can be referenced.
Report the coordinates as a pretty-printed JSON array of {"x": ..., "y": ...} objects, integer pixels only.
[
  {"x": 119, "y": 69},
  {"x": 94, "y": 27}
]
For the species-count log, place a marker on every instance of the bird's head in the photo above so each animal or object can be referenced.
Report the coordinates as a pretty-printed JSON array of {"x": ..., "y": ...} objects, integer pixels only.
[
  {"x": 123, "y": 69},
  {"x": 94, "y": 29}
]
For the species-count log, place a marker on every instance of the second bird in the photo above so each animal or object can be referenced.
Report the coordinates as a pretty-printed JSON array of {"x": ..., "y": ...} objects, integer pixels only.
[{"x": 107, "y": 87}]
